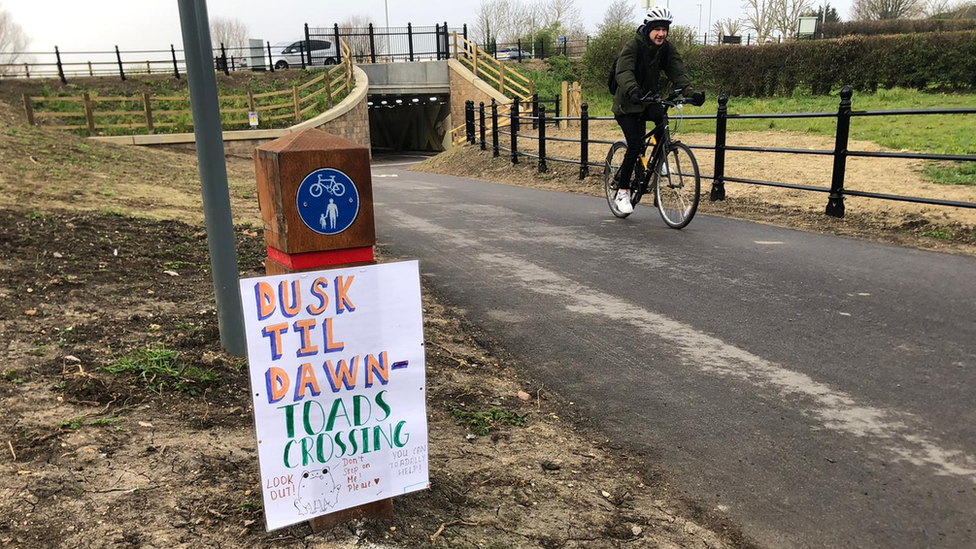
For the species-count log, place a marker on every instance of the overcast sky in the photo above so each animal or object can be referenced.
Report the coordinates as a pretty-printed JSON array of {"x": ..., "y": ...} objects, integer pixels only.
[{"x": 75, "y": 25}]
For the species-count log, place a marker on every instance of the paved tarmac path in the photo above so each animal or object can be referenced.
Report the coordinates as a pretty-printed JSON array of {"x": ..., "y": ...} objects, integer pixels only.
[{"x": 820, "y": 391}]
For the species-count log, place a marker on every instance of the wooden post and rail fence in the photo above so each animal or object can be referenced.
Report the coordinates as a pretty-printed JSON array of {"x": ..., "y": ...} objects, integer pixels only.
[{"x": 171, "y": 111}]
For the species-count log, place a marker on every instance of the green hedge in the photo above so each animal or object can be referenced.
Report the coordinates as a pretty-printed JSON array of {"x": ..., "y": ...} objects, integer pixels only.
[
  {"x": 896, "y": 26},
  {"x": 944, "y": 61}
]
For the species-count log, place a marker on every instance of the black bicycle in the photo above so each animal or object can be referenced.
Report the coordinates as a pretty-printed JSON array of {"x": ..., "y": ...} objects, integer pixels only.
[{"x": 671, "y": 174}]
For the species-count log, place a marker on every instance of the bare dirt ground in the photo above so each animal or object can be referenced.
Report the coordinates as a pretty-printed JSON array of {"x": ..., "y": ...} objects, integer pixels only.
[
  {"x": 940, "y": 228},
  {"x": 103, "y": 253}
]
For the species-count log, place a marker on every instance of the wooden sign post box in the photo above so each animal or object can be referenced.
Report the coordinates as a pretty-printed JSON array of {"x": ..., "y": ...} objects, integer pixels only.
[{"x": 316, "y": 197}]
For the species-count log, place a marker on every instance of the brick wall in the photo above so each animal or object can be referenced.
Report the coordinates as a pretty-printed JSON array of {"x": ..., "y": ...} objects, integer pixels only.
[{"x": 462, "y": 90}]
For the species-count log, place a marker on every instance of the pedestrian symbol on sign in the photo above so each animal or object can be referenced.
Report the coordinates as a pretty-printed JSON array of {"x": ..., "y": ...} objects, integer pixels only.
[{"x": 328, "y": 201}]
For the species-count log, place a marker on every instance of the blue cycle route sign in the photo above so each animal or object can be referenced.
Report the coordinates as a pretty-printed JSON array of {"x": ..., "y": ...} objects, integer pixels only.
[{"x": 328, "y": 201}]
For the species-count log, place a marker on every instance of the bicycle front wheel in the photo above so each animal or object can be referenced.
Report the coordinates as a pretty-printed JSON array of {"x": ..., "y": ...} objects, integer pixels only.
[
  {"x": 678, "y": 186},
  {"x": 610, "y": 169}
]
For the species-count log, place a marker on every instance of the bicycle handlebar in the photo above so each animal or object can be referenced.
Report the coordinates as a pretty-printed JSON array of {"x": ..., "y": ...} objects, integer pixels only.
[{"x": 671, "y": 101}]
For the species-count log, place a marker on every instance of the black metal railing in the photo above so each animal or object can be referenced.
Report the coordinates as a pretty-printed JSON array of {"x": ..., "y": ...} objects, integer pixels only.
[
  {"x": 840, "y": 153},
  {"x": 123, "y": 63},
  {"x": 371, "y": 44}
]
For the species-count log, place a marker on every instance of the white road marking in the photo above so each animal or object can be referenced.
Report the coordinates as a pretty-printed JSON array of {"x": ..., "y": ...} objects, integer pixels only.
[
  {"x": 902, "y": 435},
  {"x": 768, "y": 242}
]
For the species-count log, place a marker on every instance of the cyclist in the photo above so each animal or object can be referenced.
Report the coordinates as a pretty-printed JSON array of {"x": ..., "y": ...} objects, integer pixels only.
[{"x": 638, "y": 72}]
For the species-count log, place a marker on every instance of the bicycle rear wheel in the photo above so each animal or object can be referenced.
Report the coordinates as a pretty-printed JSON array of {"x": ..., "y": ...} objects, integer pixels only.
[
  {"x": 611, "y": 166},
  {"x": 679, "y": 187}
]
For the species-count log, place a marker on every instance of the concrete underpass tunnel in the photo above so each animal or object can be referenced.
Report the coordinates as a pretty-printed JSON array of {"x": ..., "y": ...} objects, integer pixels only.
[{"x": 417, "y": 122}]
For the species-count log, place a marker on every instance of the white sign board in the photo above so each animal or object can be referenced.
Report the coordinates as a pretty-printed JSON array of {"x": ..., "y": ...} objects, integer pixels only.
[{"x": 337, "y": 377}]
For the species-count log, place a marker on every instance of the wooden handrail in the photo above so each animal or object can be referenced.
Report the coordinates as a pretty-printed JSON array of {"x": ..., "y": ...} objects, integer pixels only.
[{"x": 509, "y": 82}]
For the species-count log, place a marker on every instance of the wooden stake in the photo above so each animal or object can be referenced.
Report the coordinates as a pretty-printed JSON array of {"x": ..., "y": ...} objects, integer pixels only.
[
  {"x": 501, "y": 77},
  {"x": 29, "y": 109},
  {"x": 149, "y": 120},
  {"x": 89, "y": 115},
  {"x": 298, "y": 105},
  {"x": 328, "y": 89}
]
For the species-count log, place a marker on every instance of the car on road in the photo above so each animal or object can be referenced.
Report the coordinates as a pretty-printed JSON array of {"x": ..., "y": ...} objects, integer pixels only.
[
  {"x": 512, "y": 53},
  {"x": 289, "y": 54}
]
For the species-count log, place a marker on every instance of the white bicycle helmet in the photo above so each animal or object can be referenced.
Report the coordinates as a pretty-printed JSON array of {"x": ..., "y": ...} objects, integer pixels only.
[{"x": 657, "y": 16}]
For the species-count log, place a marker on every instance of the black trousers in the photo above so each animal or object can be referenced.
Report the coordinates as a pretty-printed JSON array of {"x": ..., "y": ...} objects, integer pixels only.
[{"x": 635, "y": 127}]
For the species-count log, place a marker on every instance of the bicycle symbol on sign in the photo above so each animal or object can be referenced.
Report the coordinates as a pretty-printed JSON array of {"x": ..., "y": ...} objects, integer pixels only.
[{"x": 329, "y": 185}]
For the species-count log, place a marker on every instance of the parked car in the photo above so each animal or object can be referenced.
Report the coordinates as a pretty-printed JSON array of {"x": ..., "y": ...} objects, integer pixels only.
[
  {"x": 289, "y": 54},
  {"x": 512, "y": 53}
]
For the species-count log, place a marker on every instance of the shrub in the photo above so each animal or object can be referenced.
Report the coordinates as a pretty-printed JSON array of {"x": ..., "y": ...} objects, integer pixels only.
[
  {"x": 896, "y": 26},
  {"x": 866, "y": 63},
  {"x": 603, "y": 51}
]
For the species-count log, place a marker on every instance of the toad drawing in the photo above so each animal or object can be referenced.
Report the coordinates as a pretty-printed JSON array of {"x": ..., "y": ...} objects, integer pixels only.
[{"x": 317, "y": 492}]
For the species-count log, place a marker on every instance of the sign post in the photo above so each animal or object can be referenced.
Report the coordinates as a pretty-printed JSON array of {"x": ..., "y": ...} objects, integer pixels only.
[{"x": 336, "y": 357}]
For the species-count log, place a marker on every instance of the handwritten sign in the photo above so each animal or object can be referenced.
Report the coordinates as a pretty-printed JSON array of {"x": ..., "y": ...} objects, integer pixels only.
[{"x": 338, "y": 381}]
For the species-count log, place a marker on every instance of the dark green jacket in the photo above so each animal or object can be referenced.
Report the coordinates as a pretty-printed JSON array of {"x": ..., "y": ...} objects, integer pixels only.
[{"x": 627, "y": 76}]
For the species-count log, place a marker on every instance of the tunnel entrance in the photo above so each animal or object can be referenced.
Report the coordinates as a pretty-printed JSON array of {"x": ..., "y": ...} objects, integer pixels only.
[{"x": 409, "y": 122}]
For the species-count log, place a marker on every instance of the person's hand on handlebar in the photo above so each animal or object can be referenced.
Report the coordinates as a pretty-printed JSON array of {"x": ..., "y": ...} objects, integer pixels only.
[
  {"x": 635, "y": 96},
  {"x": 697, "y": 99}
]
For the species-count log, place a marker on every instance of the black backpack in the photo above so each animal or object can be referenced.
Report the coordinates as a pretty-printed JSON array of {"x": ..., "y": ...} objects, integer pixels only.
[{"x": 663, "y": 58}]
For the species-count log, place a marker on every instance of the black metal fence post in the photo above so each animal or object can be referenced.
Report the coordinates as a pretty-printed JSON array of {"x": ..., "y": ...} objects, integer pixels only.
[
  {"x": 721, "y": 124},
  {"x": 469, "y": 121},
  {"x": 515, "y": 126},
  {"x": 410, "y": 39},
  {"x": 437, "y": 40},
  {"x": 520, "y": 50},
  {"x": 494, "y": 128},
  {"x": 57, "y": 55},
  {"x": 223, "y": 59},
  {"x": 308, "y": 45},
  {"x": 465, "y": 27},
  {"x": 543, "y": 168},
  {"x": 118, "y": 56},
  {"x": 835, "y": 203},
  {"x": 494, "y": 48},
  {"x": 338, "y": 42},
  {"x": 176, "y": 67},
  {"x": 372, "y": 45},
  {"x": 584, "y": 141},
  {"x": 535, "y": 111},
  {"x": 270, "y": 58},
  {"x": 557, "y": 110},
  {"x": 301, "y": 53},
  {"x": 481, "y": 124}
]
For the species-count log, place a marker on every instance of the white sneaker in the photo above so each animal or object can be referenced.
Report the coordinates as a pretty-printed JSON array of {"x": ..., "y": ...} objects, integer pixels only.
[
  {"x": 623, "y": 202},
  {"x": 664, "y": 169}
]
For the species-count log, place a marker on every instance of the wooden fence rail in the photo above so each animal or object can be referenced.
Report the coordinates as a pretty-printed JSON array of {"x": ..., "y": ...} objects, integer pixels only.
[{"x": 95, "y": 113}]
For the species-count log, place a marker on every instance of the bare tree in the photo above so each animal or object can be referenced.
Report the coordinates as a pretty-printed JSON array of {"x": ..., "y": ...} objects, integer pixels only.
[
  {"x": 562, "y": 15},
  {"x": 13, "y": 42},
  {"x": 787, "y": 15},
  {"x": 354, "y": 29},
  {"x": 946, "y": 9},
  {"x": 486, "y": 22},
  {"x": 231, "y": 32},
  {"x": 760, "y": 16},
  {"x": 619, "y": 14},
  {"x": 727, "y": 27},
  {"x": 885, "y": 9}
]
